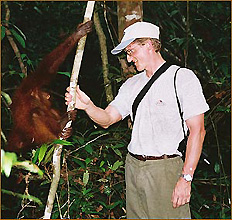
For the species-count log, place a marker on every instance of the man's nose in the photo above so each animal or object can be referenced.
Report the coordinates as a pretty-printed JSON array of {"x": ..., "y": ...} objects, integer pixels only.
[{"x": 129, "y": 58}]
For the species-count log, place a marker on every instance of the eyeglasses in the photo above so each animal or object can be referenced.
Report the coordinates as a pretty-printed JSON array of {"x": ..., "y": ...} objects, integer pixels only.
[{"x": 129, "y": 52}]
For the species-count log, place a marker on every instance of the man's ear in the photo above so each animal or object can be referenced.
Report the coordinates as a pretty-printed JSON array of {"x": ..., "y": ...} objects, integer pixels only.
[{"x": 149, "y": 45}]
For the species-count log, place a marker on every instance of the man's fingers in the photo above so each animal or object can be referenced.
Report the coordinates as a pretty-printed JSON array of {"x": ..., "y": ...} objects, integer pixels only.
[
  {"x": 179, "y": 201},
  {"x": 174, "y": 201},
  {"x": 78, "y": 89},
  {"x": 181, "y": 193},
  {"x": 67, "y": 96},
  {"x": 188, "y": 198}
]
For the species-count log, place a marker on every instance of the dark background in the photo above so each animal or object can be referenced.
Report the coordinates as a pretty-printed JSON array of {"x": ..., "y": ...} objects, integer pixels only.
[{"x": 193, "y": 34}]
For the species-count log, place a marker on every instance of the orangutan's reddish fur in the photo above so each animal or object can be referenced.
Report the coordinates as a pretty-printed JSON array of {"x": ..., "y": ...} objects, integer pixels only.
[{"x": 34, "y": 119}]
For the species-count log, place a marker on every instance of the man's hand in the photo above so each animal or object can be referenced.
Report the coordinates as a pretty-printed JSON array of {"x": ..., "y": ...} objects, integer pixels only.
[
  {"x": 181, "y": 193},
  {"x": 82, "y": 100},
  {"x": 103, "y": 117}
]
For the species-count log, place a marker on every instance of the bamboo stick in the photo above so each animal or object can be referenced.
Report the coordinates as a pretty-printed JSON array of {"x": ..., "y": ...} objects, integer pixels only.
[
  {"x": 71, "y": 106},
  {"x": 78, "y": 57}
]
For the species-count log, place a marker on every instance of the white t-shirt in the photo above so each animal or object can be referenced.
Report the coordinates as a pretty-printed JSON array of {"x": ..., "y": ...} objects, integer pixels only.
[{"x": 157, "y": 128}]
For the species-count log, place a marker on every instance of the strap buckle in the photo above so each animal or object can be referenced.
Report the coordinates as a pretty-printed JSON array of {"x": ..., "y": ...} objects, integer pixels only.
[{"x": 144, "y": 157}]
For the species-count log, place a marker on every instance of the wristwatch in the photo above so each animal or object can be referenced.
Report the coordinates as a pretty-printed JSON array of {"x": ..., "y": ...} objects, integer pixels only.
[{"x": 187, "y": 177}]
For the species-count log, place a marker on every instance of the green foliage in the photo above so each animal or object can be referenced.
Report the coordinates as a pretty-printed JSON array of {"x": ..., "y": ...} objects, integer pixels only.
[
  {"x": 97, "y": 176},
  {"x": 7, "y": 98},
  {"x": 31, "y": 198},
  {"x": 3, "y": 32},
  {"x": 19, "y": 38},
  {"x": 193, "y": 34},
  {"x": 65, "y": 73},
  {"x": 9, "y": 159}
]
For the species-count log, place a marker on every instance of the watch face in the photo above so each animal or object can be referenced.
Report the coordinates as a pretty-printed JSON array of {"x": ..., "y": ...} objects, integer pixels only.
[{"x": 188, "y": 177}]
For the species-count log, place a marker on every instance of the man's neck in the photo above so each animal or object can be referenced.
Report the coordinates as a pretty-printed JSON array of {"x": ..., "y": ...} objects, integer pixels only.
[{"x": 155, "y": 63}]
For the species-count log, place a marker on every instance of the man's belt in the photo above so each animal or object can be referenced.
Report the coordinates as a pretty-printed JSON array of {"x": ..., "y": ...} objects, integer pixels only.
[{"x": 144, "y": 158}]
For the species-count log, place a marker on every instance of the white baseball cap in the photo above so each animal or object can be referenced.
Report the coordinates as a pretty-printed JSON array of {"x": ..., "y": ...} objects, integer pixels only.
[{"x": 139, "y": 29}]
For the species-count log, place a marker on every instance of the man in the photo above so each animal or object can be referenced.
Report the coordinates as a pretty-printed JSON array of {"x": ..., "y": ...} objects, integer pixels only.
[{"x": 158, "y": 184}]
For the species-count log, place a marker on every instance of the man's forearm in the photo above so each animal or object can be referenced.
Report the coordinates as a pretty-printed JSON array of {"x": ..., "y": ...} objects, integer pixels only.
[
  {"x": 103, "y": 117},
  {"x": 193, "y": 151},
  {"x": 181, "y": 193}
]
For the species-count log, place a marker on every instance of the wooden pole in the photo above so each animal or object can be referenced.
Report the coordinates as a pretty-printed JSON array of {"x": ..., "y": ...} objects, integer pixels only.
[
  {"x": 78, "y": 57},
  {"x": 71, "y": 106}
]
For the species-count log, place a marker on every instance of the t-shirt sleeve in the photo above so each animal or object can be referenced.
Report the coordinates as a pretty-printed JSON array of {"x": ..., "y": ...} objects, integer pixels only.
[
  {"x": 121, "y": 102},
  {"x": 192, "y": 98}
]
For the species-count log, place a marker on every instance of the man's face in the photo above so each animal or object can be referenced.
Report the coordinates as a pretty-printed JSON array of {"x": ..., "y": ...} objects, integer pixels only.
[{"x": 136, "y": 53}]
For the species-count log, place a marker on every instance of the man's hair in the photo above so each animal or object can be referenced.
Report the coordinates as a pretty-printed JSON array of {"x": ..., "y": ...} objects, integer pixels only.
[{"x": 155, "y": 42}]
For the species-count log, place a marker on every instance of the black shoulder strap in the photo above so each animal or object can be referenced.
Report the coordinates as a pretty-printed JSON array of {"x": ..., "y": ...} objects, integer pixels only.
[
  {"x": 143, "y": 92},
  {"x": 181, "y": 149},
  {"x": 179, "y": 107}
]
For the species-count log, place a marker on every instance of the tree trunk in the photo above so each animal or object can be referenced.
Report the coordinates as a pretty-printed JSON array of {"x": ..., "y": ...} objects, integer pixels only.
[
  {"x": 104, "y": 57},
  {"x": 11, "y": 40},
  {"x": 54, "y": 183},
  {"x": 129, "y": 12}
]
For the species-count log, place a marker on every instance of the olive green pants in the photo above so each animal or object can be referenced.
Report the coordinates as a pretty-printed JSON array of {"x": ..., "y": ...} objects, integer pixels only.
[{"x": 149, "y": 187}]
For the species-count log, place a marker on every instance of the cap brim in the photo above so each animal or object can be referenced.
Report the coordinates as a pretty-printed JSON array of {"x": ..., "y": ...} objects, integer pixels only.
[{"x": 122, "y": 46}]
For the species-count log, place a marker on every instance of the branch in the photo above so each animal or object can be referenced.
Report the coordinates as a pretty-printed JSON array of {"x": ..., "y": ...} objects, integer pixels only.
[
  {"x": 11, "y": 41},
  {"x": 55, "y": 181},
  {"x": 220, "y": 158},
  {"x": 78, "y": 57},
  {"x": 68, "y": 187},
  {"x": 71, "y": 106},
  {"x": 104, "y": 57},
  {"x": 88, "y": 143}
]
